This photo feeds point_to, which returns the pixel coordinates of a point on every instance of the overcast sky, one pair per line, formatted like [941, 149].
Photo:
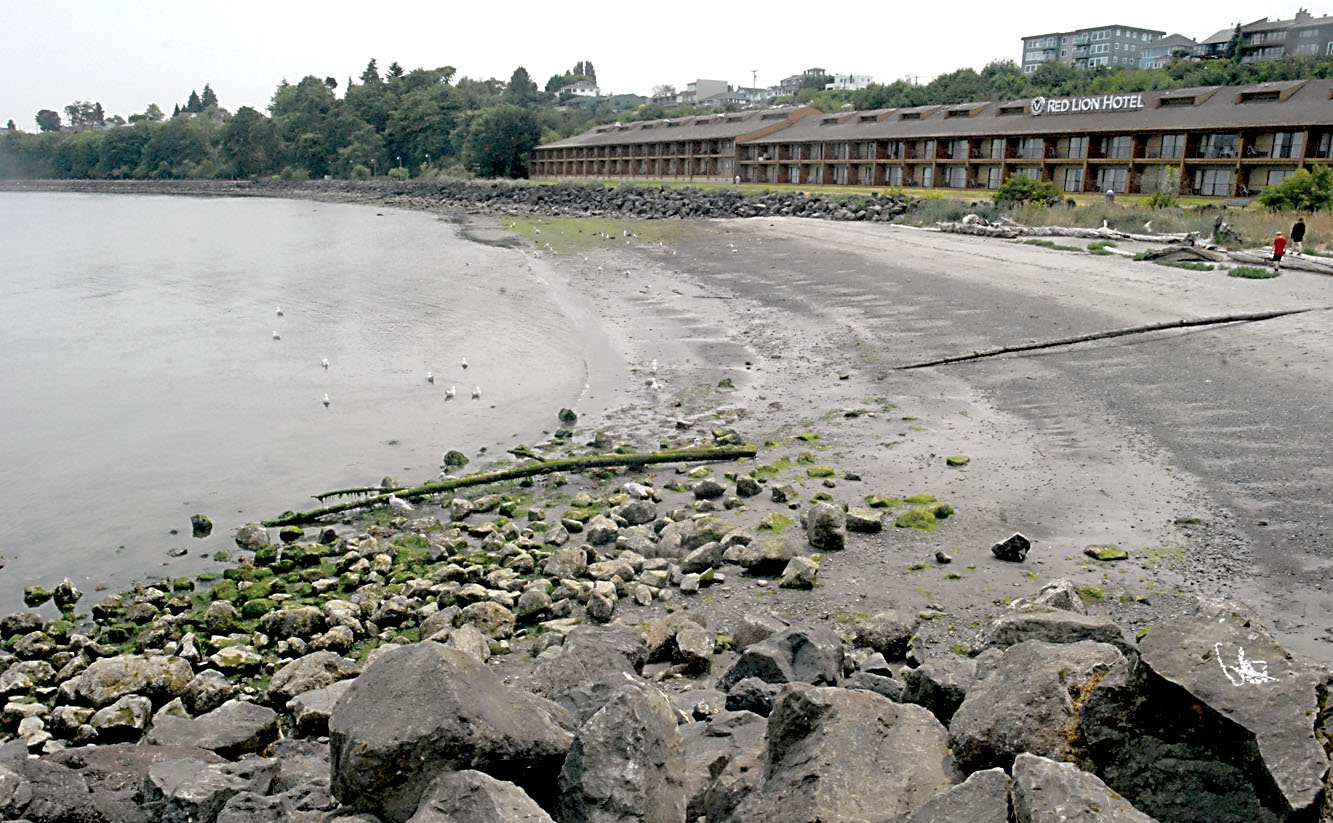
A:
[130, 53]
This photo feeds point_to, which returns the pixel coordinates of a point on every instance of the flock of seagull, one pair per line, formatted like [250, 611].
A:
[449, 393]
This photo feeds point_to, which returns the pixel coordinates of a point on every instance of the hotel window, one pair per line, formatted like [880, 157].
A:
[1213, 182]
[894, 150]
[1031, 148]
[1325, 145]
[997, 149]
[1218, 145]
[955, 177]
[1278, 175]
[1173, 145]
[1073, 179]
[793, 174]
[893, 176]
[866, 175]
[1116, 148]
[1078, 147]
[958, 149]
[928, 177]
[1288, 144]
[993, 178]
[1031, 173]
[1113, 179]
[840, 175]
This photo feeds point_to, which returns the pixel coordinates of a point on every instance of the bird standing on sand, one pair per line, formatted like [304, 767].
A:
[325, 363]
[1104, 224]
[476, 393]
[465, 362]
[326, 400]
[654, 385]
[654, 366]
[276, 336]
[450, 392]
[1147, 226]
[399, 504]
[430, 378]
[280, 311]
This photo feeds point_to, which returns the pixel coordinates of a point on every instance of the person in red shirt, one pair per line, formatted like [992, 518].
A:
[1279, 247]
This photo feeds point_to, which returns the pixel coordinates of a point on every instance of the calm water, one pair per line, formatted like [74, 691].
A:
[140, 381]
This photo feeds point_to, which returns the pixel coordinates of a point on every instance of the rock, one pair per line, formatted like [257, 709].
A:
[901, 758]
[680, 538]
[248, 807]
[383, 758]
[1013, 548]
[1027, 699]
[66, 595]
[707, 556]
[753, 695]
[192, 791]
[123, 720]
[534, 604]
[1045, 791]
[716, 754]
[43, 791]
[317, 670]
[755, 627]
[1034, 622]
[108, 679]
[454, 459]
[311, 710]
[693, 648]
[200, 525]
[120, 769]
[251, 536]
[627, 762]
[219, 616]
[708, 489]
[1106, 553]
[1057, 594]
[889, 632]
[236, 659]
[796, 655]
[767, 555]
[880, 684]
[489, 618]
[800, 573]
[602, 530]
[982, 798]
[939, 686]
[470, 796]
[294, 621]
[826, 527]
[864, 520]
[231, 730]
[637, 512]
[748, 486]
[470, 641]
[1215, 722]
[601, 608]
[35, 596]
[565, 563]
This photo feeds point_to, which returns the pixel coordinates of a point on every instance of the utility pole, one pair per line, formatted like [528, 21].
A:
[754, 78]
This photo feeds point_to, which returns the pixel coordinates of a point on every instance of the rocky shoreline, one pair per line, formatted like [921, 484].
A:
[560, 199]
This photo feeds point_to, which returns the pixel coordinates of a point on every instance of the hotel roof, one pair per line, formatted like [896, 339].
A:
[698, 127]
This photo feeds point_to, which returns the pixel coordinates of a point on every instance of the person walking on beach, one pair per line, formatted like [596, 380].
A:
[1279, 246]
[1298, 235]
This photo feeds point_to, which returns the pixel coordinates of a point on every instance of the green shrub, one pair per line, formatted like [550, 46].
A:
[359, 172]
[1303, 191]
[1161, 200]
[1019, 189]
[399, 173]
[1253, 272]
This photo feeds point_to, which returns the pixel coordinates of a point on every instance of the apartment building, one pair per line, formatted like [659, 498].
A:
[1302, 36]
[849, 82]
[1113, 45]
[1159, 53]
[1218, 141]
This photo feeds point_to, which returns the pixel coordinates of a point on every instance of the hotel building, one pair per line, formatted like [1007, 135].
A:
[1220, 141]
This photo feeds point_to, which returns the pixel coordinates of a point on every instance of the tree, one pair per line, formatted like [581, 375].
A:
[249, 144]
[371, 76]
[194, 105]
[664, 90]
[1233, 50]
[208, 99]
[588, 71]
[521, 90]
[175, 110]
[499, 141]
[395, 70]
[10, 126]
[152, 114]
[1018, 189]
[48, 120]
[331, 82]
[82, 115]
[1305, 190]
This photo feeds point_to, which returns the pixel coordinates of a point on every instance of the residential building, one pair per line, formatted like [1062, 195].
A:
[793, 84]
[580, 88]
[1302, 36]
[849, 82]
[702, 90]
[1213, 141]
[1159, 53]
[1113, 45]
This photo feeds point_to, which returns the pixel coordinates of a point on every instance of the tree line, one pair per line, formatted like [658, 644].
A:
[426, 121]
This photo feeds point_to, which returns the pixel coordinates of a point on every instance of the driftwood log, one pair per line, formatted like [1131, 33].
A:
[1104, 335]
[1010, 230]
[516, 473]
[1264, 257]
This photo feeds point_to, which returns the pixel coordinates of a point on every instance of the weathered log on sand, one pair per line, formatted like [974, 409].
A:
[1264, 257]
[592, 461]
[1185, 253]
[1010, 231]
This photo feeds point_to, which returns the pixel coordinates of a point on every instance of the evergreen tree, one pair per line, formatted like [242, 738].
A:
[194, 104]
[521, 90]
[589, 72]
[48, 120]
[176, 109]
[10, 126]
[395, 70]
[208, 98]
[1233, 45]
[371, 75]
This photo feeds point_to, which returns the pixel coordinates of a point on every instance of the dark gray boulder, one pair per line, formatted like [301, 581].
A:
[754, 627]
[232, 729]
[1027, 700]
[800, 654]
[711, 747]
[753, 695]
[470, 796]
[1052, 625]
[194, 792]
[1045, 791]
[316, 670]
[311, 710]
[880, 684]
[1013, 548]
[939, 685]
[421, 709]
[982, 798]
[889, 632]
[249, 807]
[119, 769]
[826, 527]
[1215, 722]
[845, 755]
[593, 664]
[627, 763]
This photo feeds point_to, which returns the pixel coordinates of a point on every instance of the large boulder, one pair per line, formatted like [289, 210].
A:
[422, 709]
[157, 677]
[316, 670]
[717, 747]
[470, 796]
[888, 632]
[826, 527]
[801, 654]
[982, 798]
[189, 791]
[1214, 722]
[939, 685]
[767, 554]
[593, 663]
[294, 621]
[1046, 791]
[1058, 594]
[627, 763]
[232, 729]
[119, 769]
[1027, 700]
[1050, 624]
[311, 710]
[680, 538]
[845, 755]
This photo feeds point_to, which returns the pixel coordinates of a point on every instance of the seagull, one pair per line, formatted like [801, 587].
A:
[450, 392]
[654, 385]
[326, 400]
[399, 504]
[430, 378]
[276, 336]
[1104, 224]
[1147, 226]
[476, 393]
[465, 362]
[654, 366]
[280, 311]
[325, 363]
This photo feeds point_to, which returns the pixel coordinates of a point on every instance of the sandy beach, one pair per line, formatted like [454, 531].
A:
[1196, 451]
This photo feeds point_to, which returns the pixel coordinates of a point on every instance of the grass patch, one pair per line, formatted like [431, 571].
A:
[1089, 592]
[921, 518]
[957, 460]
[1186, 264]
[775, 522]
[1049, 244]
[1253, 273]
[1101, 246]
